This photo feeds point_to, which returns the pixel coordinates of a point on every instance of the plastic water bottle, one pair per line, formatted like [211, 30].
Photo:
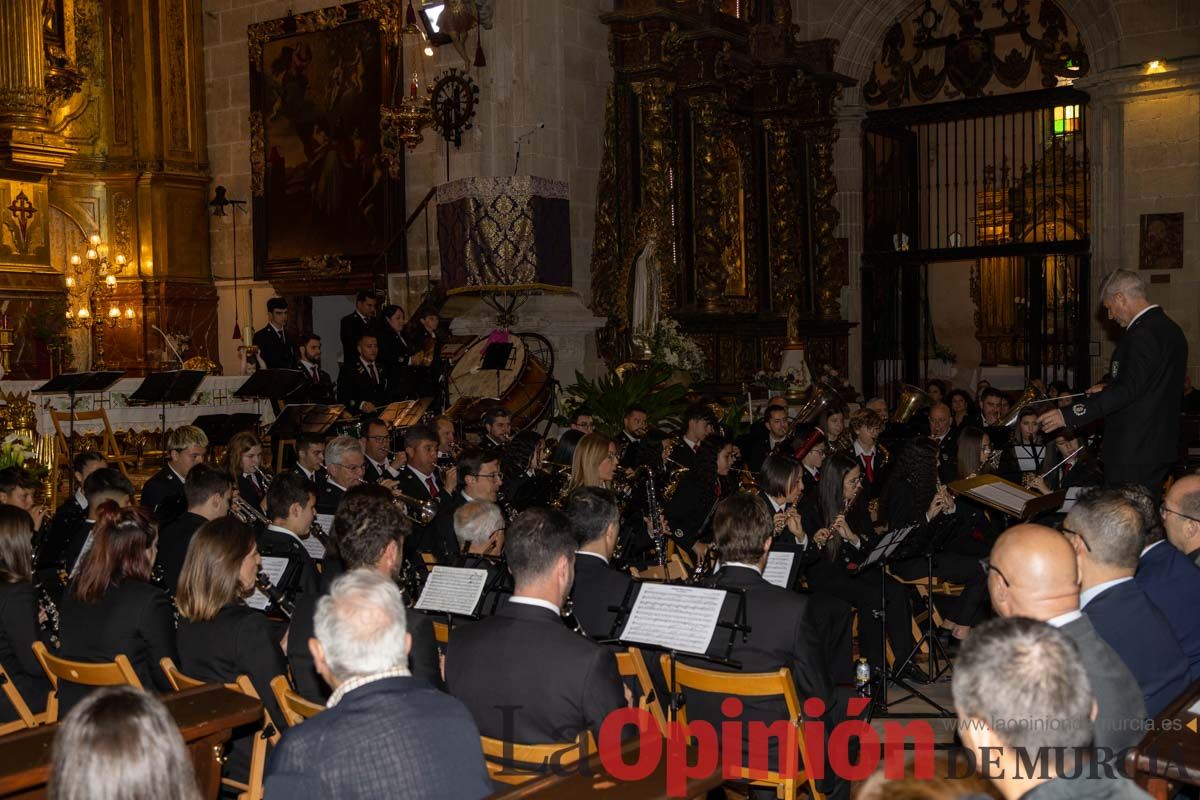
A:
[862, 676]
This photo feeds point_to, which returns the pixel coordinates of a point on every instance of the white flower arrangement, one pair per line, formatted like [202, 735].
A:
[672, 348]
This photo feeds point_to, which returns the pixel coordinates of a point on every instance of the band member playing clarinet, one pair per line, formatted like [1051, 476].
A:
[1141, 403]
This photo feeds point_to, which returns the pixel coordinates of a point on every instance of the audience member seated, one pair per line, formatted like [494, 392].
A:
[1169, 579]
[208, 492]
[1033, 573]
[479, 528]
[163, 493]
[384, 733]
[1020, 669]
[102, 486]
[19, 613]
[68, 516]
[1181, 516]
[1105, 530]
[220, 637]
[523, 673]
[120, 743]
[112, 607]
[368, 531]
[598, 588]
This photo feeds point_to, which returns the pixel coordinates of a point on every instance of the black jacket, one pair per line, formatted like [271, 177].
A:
[329, 497]
[396, 737]
[276, 353]
[51, 552]
[352, 327]
[439, 538]
[597, 589]
[132, 618]
[394, 348]
[318, 392]
[529, 678]
[355, 386]
[173, 546]
[162, 487]
[301, 576]
[691, 510]
[1118, 698]
[1141, 405]
[18, 632]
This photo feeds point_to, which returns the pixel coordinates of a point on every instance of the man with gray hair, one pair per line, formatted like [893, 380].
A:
[345, 466]
[1140, 404]
[479, 526]
[1025, 710]
[384, 733]
[1106, 531]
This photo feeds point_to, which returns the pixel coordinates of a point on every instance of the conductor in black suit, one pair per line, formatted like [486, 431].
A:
[277, 349]
[500, 666]
[596, 519]
[1141, 403]
[357, 322]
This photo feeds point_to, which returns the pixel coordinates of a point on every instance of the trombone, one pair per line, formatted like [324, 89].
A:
[419, 511]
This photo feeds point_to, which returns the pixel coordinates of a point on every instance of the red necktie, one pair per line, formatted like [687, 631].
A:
[1066, 469]
[718, 488]
[316, 376]
[696, 448]
[867, 458]
[433, 490]
[371, 370]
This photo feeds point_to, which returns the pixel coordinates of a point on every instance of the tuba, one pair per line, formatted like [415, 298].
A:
[823, 397]
[912, 400]
[1031, 396]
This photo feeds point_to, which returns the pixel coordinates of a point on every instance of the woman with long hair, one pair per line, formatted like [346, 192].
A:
[112, 607]
[913, 496]
[962, 410]
[1026, 451]
[120, 744]
[981, 526]
[841, 525]
[594, 463]
[19, 612]
[834, 423]
[975, 454]
[690, 509]
[220, 637]
[243, 459]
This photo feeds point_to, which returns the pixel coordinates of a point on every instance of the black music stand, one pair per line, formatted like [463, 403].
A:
[72, 384]
[496, 357]
[301, 418]
[936, 534]
[271, 384]
[220, 428]
[161, 388]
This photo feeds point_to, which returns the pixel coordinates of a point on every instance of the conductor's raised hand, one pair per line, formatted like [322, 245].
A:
[1051, 420]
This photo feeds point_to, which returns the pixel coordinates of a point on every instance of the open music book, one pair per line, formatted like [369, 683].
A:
[1007, 497]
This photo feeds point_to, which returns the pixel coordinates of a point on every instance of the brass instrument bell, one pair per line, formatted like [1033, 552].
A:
[822, 397]
[912, 400]
[1033, 394]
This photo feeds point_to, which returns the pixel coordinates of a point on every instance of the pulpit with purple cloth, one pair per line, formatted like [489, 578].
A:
[504, 235]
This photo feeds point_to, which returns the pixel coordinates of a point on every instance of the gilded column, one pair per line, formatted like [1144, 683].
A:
[22, 63]
[825, 220]
[711, 237]
[657, 159]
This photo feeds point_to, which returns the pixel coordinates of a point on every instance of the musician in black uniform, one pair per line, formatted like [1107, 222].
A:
[479, 528]
[1071, 465]
[497, 427]
[208, 492]
[394, 347]
[690, 510]
[596, 520]
[425, 364]
[377, 442]
[634, 425]
[310, 456]
[945, 436]
[19, 627]
[277, 349]
[363, 384]
[292, 509]
[1026, 451]
[319, 389]
[525, 482]
[865, 429]
[103, 485]
[66, 519]
[162, 494]
[1141, 404]
[479, 479]
[356, 323]
[698, 423]
[811, 451]
[345, 466]
[993, 404]
[418, 478]
[763, 440]
[242, 458]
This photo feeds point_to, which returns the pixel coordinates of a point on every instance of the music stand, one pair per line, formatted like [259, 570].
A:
[299, 418]
[926, 546]
[161, 388]
[271, 384]
[220, 428]
[496, 357]
[71, 384]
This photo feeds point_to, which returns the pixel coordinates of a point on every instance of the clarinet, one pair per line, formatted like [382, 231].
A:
[285, 606]
[654, 528]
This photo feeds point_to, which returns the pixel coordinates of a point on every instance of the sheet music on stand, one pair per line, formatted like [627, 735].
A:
[404, 413]
[273, 567]
[779, 568]
[888, 544]
[1069, 501]
[678, 618]
[314, 547]
[453, 590]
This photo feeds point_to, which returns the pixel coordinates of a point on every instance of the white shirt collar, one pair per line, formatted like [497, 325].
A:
[275, 327]
[305, 472]
[337, 485]
[1138, 315]
[590, 553]
[424, 478]
[860, 451]
[358, 683]
[776, 506]
[281, 529]
[742, 564]
[811, 471]
[536, 601]
[1150, 547]
[690, 443]
[468, 497]
[366, 363]
[1063, 619]
[80, 499]
[177, 475]
[308, 365]
[1088, 595]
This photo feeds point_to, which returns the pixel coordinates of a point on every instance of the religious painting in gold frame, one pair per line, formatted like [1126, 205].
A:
[319, 181]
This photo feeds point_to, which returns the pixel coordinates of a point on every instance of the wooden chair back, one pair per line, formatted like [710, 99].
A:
[295, 708]
[118, 672]
[500, 757]
[632, 664]
[108, 442]
[25, 717]
[756, 684]
[441, 632]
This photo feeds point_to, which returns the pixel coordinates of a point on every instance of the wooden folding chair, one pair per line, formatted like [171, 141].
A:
[632, 664]
[108, 443]
[252, 789]
[758, 684]
[674, 571]
[295, 708]
[118, 672]
[441, 632]
[504, 759]
[25, 717]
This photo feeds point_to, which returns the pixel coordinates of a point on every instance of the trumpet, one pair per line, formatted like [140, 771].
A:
[265, 477]
[247, 513]
[419, 511]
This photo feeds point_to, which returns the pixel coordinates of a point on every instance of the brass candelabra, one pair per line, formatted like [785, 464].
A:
[91, 289]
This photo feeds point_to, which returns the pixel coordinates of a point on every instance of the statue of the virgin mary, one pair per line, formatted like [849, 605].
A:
[647, 294]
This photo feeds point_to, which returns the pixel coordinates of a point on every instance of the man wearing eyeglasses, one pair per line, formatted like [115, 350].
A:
[376, 444]
[1032, 573]
[1181, 516]
[479, 481]
[1141, 403]
[345, 465]
[1105, 530]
